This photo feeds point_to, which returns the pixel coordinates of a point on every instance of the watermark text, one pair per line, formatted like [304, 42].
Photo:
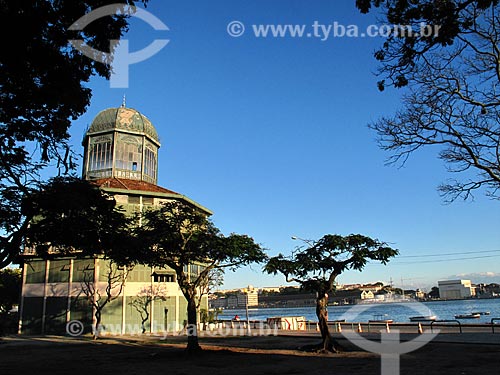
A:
[324, 32]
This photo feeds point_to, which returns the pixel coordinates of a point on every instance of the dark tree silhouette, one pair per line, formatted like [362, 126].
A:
[43, 88]
[453, 79]
[180, 237]
[401, 54]
[317, 267]
[10, 289]
[74, 217]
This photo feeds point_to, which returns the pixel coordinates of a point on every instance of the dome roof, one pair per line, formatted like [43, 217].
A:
[123, 118]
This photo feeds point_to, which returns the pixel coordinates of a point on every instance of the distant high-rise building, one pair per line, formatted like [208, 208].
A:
[455, 289]
[248, 296]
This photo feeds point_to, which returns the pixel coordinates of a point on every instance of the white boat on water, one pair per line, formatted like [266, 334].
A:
[423, 318]
[380, 318]
[468, 316]
[381, 321]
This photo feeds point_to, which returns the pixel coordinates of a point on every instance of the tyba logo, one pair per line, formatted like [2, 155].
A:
[120, 59]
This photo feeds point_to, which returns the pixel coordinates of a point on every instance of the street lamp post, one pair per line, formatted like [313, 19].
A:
[309, 242]
[248, 319]
[165, 310]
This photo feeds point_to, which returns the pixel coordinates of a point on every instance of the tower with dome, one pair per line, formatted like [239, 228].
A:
[121, 148]
[121, 143]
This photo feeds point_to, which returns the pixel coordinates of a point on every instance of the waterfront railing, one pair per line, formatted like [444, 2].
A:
[445, 326]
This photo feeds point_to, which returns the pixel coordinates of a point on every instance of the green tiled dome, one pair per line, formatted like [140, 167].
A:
[127, 119]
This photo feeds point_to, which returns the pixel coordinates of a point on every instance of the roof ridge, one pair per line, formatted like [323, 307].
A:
[122, 183]
[132, 184]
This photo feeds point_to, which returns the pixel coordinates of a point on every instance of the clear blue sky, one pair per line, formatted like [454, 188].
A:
[271, 134]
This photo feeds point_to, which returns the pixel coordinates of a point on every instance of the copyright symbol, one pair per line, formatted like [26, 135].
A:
[235, 29]
[74, 328]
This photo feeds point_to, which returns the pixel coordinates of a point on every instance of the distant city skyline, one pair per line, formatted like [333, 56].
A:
[271, 135]
[487, 278]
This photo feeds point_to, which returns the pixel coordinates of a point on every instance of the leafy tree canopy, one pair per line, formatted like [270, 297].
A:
[73, 216]
[400, 54]
[317, 266]
[43, 88]
[10, 288]
[178, 235]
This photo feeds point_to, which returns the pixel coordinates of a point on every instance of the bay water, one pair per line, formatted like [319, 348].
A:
[399, 311]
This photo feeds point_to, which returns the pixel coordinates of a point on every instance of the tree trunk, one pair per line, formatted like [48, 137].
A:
[192, 327]
[97, 323]
[143, 323]
[329, 344]
[145, 317]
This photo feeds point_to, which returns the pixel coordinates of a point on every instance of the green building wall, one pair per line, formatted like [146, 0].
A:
[46, 307]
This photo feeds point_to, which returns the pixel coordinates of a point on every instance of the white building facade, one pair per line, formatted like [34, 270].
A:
[456, 289]
[248, 296]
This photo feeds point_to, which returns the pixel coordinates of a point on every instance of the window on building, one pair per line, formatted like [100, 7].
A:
[163, 278]
[134, 199]
[100, 154]
[35, 272]
[59, 271]
[133, 205]
[194, 270]
[83, 270]
[148, 201]
[150, 163]
[128, 154]
[140, 273]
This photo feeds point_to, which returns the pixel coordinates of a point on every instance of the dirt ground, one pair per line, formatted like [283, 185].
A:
[240, 356]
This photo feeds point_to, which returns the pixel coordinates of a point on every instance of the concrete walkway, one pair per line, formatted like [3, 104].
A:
[459, 338]
[286, 340]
